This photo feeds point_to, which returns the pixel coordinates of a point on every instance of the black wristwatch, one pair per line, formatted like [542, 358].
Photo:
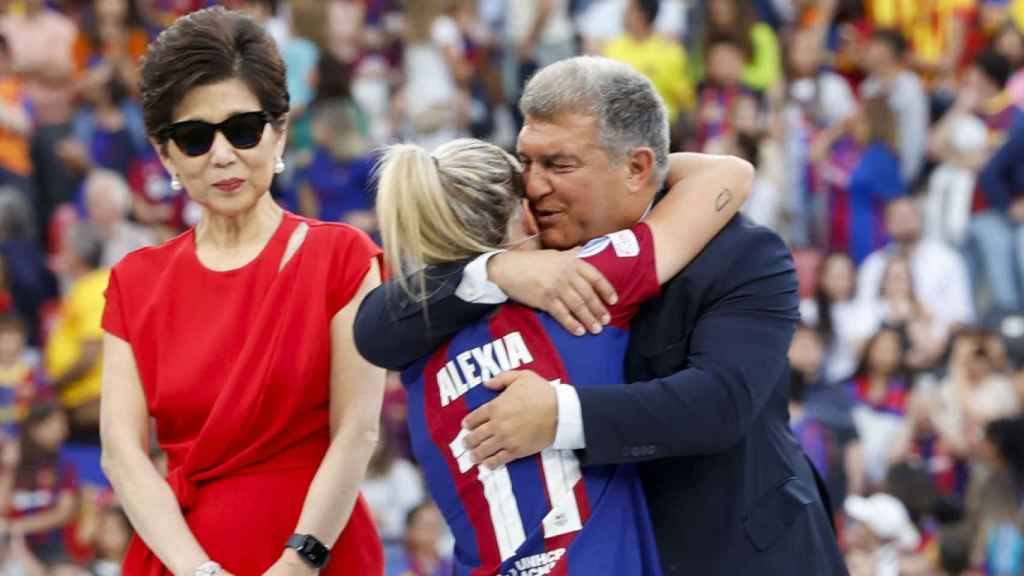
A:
[311, 550]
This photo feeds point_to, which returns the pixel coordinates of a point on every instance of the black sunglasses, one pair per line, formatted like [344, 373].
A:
[195, 137]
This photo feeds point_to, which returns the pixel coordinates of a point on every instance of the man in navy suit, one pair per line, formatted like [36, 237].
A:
[706, 418]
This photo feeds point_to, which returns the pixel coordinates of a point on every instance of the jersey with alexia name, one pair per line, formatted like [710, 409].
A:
[543, 514]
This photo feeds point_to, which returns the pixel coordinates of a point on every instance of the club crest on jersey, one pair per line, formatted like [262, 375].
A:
[595, 246]
[478, 365]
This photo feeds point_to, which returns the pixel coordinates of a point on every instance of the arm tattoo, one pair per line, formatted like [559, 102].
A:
[723, 199]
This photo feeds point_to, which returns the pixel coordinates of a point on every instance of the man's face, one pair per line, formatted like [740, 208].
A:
[575, 191]
[903, 221]
[876, 56]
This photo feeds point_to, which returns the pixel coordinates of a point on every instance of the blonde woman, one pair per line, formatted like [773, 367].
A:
[542, 512]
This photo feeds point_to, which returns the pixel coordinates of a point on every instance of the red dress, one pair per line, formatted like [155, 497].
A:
[235, 367]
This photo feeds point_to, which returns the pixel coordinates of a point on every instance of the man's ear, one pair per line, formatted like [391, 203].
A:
[530, 226]
[641, 164]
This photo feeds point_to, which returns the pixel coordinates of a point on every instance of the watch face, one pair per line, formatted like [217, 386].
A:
[312, 551]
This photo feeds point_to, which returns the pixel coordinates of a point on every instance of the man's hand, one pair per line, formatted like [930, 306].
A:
[559, 283]
[520, 422]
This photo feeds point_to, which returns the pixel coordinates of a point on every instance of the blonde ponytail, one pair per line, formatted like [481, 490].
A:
[446, 207]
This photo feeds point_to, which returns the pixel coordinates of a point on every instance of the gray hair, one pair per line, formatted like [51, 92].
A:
[87, 242]
[629, 111]
[112, 183]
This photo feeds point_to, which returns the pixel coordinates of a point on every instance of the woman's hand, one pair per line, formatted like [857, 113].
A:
[559, 283]
[289, 564]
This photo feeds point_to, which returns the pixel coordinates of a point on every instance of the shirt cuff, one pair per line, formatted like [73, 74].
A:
[475, 287]
[569, 432]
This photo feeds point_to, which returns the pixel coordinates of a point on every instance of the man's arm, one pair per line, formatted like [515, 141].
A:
[735, 359]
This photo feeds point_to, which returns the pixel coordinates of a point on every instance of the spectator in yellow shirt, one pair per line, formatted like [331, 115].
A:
[662, 60]
[73, 353]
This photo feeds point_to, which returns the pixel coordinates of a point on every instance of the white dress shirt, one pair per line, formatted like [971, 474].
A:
[940, 281]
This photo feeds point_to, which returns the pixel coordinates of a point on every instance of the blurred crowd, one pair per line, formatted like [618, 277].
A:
[888, 137]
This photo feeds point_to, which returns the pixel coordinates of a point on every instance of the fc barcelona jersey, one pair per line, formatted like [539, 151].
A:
[543, 514]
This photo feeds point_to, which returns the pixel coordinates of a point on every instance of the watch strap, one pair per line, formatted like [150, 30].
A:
[311, 550]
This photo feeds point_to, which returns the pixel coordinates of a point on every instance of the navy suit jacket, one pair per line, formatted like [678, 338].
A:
[706, 418]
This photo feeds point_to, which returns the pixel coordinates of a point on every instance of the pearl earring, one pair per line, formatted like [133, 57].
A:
[279, 166]
[176, 184]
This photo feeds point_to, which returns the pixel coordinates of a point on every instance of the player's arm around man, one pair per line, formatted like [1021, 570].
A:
[746, 287]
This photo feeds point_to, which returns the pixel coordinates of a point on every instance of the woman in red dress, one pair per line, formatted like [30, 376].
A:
[236, 338]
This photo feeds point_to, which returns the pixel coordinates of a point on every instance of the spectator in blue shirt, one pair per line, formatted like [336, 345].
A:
[337, 185]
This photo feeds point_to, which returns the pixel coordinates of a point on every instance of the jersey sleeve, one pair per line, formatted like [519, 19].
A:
[113, 311]
[626, 259]
[353, 252]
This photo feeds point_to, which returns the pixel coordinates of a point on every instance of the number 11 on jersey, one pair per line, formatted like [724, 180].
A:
[561, 471]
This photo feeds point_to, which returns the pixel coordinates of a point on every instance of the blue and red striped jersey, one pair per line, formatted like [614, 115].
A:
[543, 514]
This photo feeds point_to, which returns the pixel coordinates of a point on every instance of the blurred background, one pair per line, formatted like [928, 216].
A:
[889, 144]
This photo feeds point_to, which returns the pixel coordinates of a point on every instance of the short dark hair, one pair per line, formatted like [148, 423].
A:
[205, 47]
[649, 8]
[892, 38]
[994, 66]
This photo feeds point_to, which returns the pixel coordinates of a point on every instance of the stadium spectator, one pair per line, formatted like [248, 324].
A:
[879, 535]
[422, 554]
[392, 488]
[899, 307]
[878, 392]
[74, 351]
[39, 490]
[660, 59]
[993, 505]
[720, 93]
[337, 185]
[436, 70]
[938, 273]
[603, 21]
[15, 125]
[756, 39]
[19, 374]
[816, 102]
[963, 141]
[821, 419]
[998, 234]
[977, 389]
[837, 316]
[41, 40]
[860, 172]
[108, 202]
[28, 279]
[884, 61]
